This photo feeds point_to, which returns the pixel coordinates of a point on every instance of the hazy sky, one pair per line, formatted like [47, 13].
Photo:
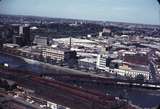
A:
[139, 11]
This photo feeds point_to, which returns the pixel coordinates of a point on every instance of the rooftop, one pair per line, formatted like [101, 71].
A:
[74, 40]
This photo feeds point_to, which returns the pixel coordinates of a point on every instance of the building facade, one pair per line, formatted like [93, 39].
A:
[127, 72]
[53, 54]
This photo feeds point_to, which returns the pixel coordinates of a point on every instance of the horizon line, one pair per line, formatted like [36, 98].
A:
[81, 19]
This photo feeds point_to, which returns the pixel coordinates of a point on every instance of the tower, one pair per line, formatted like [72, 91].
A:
[26, 35]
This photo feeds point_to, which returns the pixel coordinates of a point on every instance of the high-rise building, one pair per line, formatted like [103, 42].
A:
[21, 35]
[26, 35]
[15, 29]
[20, 30]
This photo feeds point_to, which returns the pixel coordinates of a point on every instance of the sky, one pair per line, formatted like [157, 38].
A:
[133, 11]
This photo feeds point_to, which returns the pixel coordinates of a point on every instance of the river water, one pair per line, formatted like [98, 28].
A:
[142, 98]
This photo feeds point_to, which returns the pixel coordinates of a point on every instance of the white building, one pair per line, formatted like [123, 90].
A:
[131, 73]
[10, 45]
[53, 54]
[76, 42]
[52, 105]
[101, 62]
[123, 71]
[87, 63]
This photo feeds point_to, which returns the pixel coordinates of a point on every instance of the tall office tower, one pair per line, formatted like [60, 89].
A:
[26, 35]
[15, 29]
[15, 33]
[21, 35]
[20, 30]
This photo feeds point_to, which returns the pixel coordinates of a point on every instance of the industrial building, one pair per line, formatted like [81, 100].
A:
[53, 54]
[123, 69]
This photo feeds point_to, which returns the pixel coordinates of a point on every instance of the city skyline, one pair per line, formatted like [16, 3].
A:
[79, 54]
[137, 11]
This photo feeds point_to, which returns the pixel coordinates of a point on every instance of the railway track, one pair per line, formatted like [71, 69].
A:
[83, 96]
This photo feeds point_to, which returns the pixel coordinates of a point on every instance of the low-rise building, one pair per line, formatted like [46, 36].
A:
[87, 63]
[122, 70]
[40, 40]
[53, 54]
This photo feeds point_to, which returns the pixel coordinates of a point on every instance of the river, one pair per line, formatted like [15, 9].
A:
[142, 98]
